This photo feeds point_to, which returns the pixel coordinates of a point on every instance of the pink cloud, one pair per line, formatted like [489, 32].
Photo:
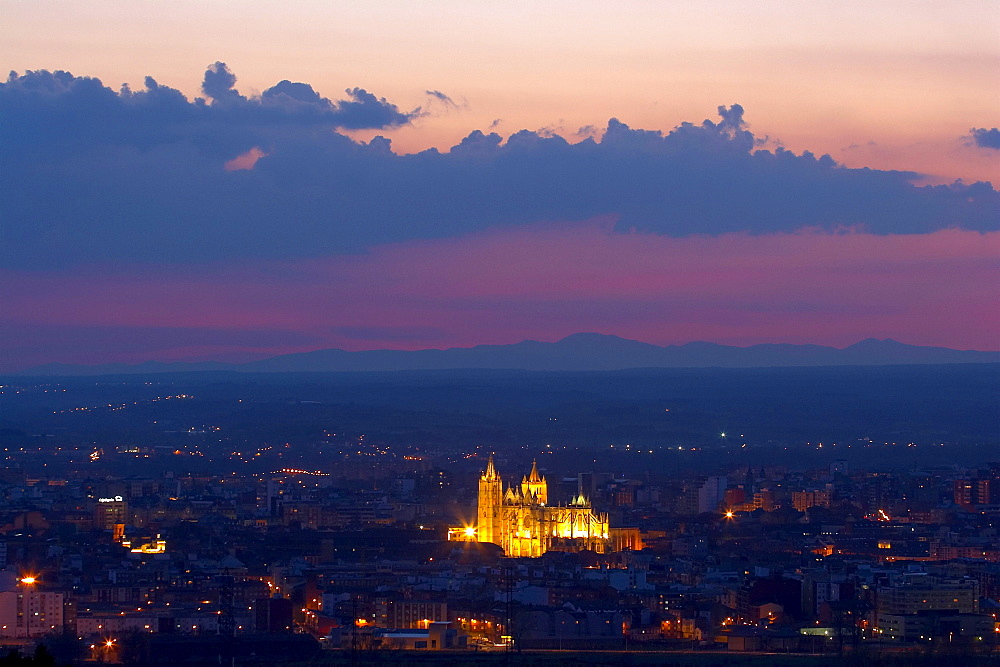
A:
[545, 283]
[245, 161]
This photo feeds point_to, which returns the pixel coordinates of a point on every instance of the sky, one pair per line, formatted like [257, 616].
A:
[235, 180]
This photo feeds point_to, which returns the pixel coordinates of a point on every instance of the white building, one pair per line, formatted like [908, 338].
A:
[24, 610]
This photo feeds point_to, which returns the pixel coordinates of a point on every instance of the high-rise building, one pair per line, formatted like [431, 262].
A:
[711, 493]
[26, 611]
[110, 511]
[930, 593]
[803, 500]
[929, 606]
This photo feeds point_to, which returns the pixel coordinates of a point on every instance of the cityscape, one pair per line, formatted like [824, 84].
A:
[538, 334]
[163, 538]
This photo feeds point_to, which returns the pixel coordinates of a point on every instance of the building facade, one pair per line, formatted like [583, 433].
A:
[25, 611]
[408, 614]
[521, 521]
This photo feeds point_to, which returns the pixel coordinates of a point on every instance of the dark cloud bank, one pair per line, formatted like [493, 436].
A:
[986, 138]
[93, 175]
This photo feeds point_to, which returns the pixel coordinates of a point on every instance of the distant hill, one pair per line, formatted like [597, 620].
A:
[579, 352]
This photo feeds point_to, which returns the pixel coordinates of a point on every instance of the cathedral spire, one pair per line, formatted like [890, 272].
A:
[534, 487]
[491, 471]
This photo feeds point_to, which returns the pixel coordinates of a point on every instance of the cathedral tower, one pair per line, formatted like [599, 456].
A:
[534, 486]
[490, 504]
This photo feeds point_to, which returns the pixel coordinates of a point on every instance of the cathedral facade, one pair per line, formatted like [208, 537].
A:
[520, 520]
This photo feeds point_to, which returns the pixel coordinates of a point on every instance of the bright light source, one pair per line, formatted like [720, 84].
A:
[28, 580]
[470, 531]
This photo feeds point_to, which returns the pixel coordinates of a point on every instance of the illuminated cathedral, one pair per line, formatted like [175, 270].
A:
[521, 521]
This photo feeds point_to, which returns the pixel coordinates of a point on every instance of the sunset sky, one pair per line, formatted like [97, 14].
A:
[279, 177]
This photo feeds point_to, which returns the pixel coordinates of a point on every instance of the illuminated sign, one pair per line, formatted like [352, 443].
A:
[116, 499]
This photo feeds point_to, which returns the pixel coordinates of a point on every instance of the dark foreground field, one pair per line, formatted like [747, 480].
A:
[887, 658]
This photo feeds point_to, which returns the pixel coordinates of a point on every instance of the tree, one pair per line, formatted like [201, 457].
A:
[135, 647]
